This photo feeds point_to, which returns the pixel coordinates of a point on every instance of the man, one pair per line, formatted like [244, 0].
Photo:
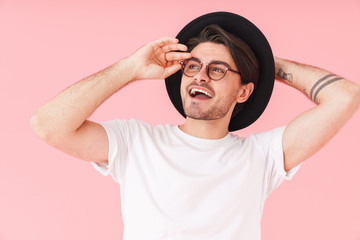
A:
[197, 180]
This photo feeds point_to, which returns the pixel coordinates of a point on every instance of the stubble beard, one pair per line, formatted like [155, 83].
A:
[217, 111]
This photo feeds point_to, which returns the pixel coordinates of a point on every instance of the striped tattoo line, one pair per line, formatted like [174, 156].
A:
[318, 82]
[323, 85]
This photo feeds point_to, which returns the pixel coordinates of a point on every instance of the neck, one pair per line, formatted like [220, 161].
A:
[207, 129]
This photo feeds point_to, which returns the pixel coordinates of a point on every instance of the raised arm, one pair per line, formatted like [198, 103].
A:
[62, 121]
[337, 100]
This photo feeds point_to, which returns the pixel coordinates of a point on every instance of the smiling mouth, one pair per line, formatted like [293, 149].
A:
[199, 93]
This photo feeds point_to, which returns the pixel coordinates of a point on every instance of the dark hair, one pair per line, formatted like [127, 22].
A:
[242, 54]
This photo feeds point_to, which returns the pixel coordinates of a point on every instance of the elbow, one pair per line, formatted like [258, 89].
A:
[37, 127]
[351, 101]
[41, 129]
[357, 97]
[346, 103]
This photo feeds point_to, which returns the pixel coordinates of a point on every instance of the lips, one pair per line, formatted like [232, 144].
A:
[196, 91]
[200, 92]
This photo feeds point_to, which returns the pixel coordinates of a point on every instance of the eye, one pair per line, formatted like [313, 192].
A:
[217, 69]
[193, 66]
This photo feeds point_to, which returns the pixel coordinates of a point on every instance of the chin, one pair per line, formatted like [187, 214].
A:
[210, 114]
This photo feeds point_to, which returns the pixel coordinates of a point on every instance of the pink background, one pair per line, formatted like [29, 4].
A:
[48, 45]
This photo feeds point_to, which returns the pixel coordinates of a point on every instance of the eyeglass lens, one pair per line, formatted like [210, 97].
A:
[215, 71]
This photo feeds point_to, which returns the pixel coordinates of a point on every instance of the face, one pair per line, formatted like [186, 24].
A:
[205, 99]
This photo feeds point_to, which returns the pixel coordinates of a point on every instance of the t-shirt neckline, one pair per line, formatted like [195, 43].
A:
[197, 140]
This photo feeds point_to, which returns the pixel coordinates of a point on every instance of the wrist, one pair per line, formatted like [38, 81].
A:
[127, 69]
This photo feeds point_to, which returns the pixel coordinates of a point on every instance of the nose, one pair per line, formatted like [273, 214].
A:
[202, 75]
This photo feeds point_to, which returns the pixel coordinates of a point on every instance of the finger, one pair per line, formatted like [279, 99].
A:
[175, 62]
[174, 47]
[171, 70]
[166, 40]
[177, 56]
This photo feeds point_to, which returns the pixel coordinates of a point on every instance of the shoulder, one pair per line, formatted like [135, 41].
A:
[267, 136]
[125, 124]
[268, 139]
[134, 127]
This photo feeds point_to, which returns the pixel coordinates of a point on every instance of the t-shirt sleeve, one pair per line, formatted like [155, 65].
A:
[117, 132]
[275, 173]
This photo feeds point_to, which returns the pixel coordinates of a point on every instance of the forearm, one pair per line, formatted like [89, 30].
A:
[317, 84]
[66, 112]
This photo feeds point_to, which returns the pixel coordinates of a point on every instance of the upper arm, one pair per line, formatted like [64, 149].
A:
[311, 130]
[305, 135]
[89, 142]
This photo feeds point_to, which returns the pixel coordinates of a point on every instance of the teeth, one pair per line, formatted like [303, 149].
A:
[194, 90]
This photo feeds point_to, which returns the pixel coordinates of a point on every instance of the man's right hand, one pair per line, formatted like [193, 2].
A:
[158, 59]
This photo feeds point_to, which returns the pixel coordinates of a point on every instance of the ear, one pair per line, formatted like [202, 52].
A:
[244, 92]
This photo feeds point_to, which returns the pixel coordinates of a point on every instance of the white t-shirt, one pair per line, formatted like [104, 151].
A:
[175, 186]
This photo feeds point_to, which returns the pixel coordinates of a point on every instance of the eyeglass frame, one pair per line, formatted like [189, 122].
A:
[227, 68]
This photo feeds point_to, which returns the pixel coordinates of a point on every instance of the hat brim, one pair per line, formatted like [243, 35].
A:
[248, 32]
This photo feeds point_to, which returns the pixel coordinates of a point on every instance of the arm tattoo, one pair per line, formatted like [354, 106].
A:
[305, 92]
[317, 83]
[326, 83]
[286, 76]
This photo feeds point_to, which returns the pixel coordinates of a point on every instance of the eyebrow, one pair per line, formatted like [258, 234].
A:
[214, 61]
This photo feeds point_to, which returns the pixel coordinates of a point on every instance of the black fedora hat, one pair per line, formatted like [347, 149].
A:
[248, 32]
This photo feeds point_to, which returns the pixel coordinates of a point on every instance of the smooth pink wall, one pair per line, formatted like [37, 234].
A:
[47, 45]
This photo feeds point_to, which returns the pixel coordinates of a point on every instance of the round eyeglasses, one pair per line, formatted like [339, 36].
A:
[215, 70]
